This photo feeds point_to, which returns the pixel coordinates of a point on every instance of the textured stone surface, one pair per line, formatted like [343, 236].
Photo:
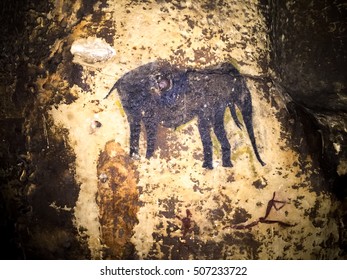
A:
[308, 55]
[182, 211]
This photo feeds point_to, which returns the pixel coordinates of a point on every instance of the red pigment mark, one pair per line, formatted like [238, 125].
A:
[271, 204]
[187, 223]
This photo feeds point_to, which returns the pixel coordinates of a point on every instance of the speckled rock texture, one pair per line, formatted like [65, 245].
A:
[71, 190]
[117, 200]
[309, 57]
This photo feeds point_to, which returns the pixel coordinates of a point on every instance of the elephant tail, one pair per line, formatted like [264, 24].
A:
[244, 102]
[112, 89]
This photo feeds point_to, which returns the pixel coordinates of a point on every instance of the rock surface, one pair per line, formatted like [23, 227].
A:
[65, 194]
[117, 199]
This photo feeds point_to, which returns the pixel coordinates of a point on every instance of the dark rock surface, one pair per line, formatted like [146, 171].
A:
[36, 176]
[308, 56]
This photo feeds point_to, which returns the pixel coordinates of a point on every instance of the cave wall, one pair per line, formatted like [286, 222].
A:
[36, 166]
[308, 56]
[308, 52]
[79, 193]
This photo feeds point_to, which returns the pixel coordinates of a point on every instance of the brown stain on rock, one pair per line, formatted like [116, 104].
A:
[118, 200]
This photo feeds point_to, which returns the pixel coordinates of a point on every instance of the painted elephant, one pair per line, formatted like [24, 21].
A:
[159, 93]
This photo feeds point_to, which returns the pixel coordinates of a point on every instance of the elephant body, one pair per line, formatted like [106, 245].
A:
[159, 93]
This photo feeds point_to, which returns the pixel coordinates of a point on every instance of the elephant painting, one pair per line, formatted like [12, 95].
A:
[159, 93]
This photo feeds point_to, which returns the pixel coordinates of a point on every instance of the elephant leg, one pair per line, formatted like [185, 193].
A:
[135, 129]
[204, 129]
[219, 130]
[151, 126]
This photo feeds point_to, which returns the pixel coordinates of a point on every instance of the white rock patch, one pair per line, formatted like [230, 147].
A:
[92, 50]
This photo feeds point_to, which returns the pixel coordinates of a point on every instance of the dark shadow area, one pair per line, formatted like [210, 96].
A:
[308, 55]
